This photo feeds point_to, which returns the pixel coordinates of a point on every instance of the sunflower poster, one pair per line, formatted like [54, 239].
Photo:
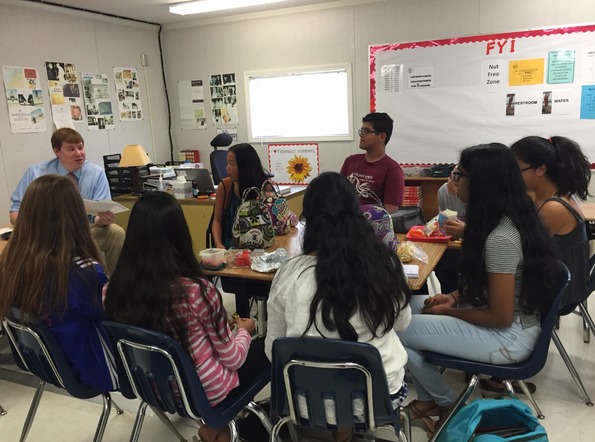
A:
[294, 164]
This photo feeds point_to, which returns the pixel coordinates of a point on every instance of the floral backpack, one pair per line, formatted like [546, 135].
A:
[278, 209]
[252, 226]
[381, 221]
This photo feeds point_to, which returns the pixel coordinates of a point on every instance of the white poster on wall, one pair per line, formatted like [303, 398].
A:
[65, 92]
[224, 100]
[24, 100]
[191, 97]
[98, 103]
[294, 163]
[128, 91]
[479, 89]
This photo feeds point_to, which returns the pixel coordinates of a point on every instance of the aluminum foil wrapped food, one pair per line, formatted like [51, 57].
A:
[269, 262]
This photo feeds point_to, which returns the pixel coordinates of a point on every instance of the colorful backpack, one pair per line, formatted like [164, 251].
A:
[278, 208]
[252, 227]
[381, 221]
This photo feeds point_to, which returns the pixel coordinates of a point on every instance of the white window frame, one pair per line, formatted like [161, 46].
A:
[253, 75]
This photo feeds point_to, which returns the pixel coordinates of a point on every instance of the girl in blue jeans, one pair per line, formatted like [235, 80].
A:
[506, 282]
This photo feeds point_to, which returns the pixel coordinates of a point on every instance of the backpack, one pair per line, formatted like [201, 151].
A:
[252, 227]
[278, 208]
[407, 217]
[494, 420]
[381, 222]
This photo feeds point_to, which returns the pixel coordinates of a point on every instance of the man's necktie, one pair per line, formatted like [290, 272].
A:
[73, 177]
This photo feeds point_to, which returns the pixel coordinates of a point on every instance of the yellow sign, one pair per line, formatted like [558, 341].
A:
[525, 72]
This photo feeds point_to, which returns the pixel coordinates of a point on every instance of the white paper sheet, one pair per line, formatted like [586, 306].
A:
[94, 207]
[411, 270]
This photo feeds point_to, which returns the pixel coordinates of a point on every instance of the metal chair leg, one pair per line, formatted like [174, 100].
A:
[32, 410]
[586, 332]
[460, 403]
[161, 415]
[275, 431]
[2, 411]
[138, 421]
[261, 414]
[107, 406]
[405, 431]
[571, 369]
[233, 429]
[118, 409]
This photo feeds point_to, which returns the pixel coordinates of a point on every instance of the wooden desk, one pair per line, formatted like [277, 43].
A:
[198, 213]
[434, 252]
[2, 244]
[589, 211]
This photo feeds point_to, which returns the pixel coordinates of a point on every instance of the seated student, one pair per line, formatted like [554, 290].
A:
[447, 268]
[50, 270]
[244, 170]
[506, 282]
[556, 185]
[338, 290]
[448, 198]
[158, 284]
[374, 171]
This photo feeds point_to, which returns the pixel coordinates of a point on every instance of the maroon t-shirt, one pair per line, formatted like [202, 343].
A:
[384, 177]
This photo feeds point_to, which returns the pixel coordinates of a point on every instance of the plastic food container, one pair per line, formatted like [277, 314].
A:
[213, 259]
[238, 258]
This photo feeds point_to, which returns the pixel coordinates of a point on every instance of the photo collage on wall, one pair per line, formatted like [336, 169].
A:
[98, 102]
[24, 99]
[224, 103]
[128, 90]
[65, 93]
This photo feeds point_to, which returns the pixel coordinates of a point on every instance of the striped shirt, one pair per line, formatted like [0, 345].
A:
[216, 360]
[504, 254]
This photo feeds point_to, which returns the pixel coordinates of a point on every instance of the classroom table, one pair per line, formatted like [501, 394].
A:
[244, 282]
[2, 244]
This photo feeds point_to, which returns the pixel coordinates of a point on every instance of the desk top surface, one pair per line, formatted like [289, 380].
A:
[292, 243]
[293, 192]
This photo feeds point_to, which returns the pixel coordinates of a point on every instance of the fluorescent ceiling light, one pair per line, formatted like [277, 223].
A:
[201, 6]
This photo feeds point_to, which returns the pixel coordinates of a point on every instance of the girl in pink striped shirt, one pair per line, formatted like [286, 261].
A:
[158, 284]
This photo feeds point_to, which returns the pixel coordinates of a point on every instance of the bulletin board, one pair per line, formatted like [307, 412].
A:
[445, 95]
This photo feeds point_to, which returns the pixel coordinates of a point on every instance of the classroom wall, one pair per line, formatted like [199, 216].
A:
[340, 35]
[30, 35]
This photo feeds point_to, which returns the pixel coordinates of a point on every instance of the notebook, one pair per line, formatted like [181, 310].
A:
[202, 177]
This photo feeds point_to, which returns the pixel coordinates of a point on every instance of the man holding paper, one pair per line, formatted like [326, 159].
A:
[69, 147]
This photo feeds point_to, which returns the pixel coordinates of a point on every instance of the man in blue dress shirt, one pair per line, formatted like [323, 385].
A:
[69, 147]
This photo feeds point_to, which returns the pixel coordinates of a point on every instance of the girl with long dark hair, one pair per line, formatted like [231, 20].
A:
[244, 170]
[346, 285]
[505, 285]
[158, 284]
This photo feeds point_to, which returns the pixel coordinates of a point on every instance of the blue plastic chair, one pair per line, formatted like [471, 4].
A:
[307, 371]
[513, 372]
[161, 373]
[35, 349]
[587, 324]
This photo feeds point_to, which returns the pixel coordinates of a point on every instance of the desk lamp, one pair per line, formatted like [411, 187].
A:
[134, 156]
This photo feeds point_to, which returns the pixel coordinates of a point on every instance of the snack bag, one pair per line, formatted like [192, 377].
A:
[444, 215]
[432, 226]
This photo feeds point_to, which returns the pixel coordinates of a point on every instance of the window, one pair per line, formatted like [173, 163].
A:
[306, 105]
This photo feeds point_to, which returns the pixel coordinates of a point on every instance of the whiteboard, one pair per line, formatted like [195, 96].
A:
[445, 95]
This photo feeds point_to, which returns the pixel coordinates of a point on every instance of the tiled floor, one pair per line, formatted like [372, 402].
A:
[62, 418]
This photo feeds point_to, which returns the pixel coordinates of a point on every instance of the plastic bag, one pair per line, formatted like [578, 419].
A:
[408, 251]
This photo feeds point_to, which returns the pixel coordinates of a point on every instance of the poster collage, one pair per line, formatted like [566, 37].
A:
[70, 103]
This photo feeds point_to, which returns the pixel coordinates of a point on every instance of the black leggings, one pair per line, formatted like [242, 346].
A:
[256, 361]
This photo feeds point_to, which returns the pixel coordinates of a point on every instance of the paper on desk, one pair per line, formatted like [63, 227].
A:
[94, 207]
[411, 270]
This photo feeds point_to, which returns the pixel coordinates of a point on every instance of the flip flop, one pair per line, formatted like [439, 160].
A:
[497, 386]
[416, 411]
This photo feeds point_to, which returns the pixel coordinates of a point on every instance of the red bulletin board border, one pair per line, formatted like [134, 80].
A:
[373, 49]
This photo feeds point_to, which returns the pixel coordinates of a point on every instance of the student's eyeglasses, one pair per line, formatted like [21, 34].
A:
[365, 131]
[456, 175]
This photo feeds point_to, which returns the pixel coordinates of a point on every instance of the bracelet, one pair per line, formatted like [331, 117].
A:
[455, 298]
